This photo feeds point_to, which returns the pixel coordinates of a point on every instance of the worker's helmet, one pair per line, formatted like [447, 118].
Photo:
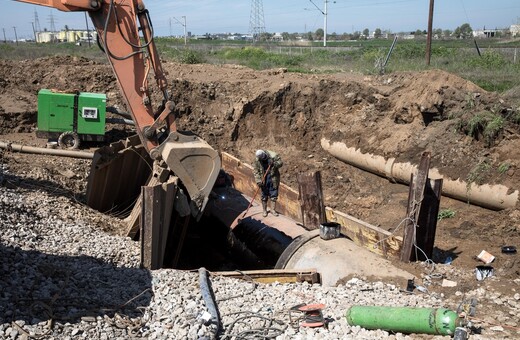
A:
[261, 155]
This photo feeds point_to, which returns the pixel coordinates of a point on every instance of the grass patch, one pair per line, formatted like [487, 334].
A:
[445, 213]
[504, 167]
[484, 125]
[478, 173]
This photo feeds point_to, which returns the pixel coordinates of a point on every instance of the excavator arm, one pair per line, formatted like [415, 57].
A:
[125, 34]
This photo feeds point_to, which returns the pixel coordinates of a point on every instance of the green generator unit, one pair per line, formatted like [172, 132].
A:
[71, 117]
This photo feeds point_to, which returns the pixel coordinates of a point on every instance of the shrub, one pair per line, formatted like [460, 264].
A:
[488, 60]
[191, 57]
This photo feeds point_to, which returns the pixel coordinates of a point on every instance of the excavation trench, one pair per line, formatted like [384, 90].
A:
[250, 241]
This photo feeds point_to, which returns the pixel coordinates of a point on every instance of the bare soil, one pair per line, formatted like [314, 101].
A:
[238, 110]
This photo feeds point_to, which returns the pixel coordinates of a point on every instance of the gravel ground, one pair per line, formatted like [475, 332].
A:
[63, 277]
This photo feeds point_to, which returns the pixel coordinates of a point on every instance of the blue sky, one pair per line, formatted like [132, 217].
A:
[219, 16]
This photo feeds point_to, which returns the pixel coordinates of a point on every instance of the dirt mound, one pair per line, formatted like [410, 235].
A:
[399, 115]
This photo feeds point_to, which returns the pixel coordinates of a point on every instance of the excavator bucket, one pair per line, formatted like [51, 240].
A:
[196, 164]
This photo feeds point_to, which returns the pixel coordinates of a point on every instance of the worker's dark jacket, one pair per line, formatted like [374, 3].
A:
[259, 168]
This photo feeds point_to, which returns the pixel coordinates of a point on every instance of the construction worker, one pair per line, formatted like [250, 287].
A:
[267, 177]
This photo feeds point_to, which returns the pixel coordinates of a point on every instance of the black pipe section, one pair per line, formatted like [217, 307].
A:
[266, 242]
[114, 110]
[209, 299]
[120, 121]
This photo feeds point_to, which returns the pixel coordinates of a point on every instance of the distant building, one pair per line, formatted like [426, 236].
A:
[277, 37]
[73, 36]
[45, 37]
[488, 33]
[515, 30]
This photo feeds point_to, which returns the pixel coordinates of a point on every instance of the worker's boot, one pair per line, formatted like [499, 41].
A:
[264, 206]
[273, 208]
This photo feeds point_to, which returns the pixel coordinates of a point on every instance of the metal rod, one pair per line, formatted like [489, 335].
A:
[44, 151]
[390, 52]
[429, 37]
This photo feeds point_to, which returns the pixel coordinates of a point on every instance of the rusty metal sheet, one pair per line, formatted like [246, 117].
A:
[156, 213]
[415, 200]
[116, 175]
[311, 199]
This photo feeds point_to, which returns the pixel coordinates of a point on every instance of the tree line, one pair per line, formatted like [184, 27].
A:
[463, 31]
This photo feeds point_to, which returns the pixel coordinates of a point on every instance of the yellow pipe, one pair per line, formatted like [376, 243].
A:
[496, 197]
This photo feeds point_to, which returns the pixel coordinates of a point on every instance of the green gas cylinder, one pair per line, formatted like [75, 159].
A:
[404, 319]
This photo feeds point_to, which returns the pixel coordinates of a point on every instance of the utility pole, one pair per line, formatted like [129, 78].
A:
[324, 12]
[5, 39]
[88, 30]
[185, 35]
[429, 36]
[15, 36]
[183, 24]
[325, 23]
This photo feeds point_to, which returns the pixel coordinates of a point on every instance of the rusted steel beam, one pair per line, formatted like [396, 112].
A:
[427, 220]
[243, 181]
[157, 208]
[415, 201]
[375, 239]
[133, 219]
[311, 199]
[275, 275]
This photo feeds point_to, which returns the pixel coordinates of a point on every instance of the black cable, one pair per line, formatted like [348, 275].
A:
[250, 279]
[107, 50]
[266, 331]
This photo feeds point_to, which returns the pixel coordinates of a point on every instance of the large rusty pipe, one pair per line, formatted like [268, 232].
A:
[496, 197]
[44, 151]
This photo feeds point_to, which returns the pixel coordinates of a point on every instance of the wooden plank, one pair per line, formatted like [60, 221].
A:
[427, 220]
[415, 200]
[311, 199]
[243, 180]
[375, 239]
[275, 275]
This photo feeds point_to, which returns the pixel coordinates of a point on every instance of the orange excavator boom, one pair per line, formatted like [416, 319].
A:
[133, 56]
